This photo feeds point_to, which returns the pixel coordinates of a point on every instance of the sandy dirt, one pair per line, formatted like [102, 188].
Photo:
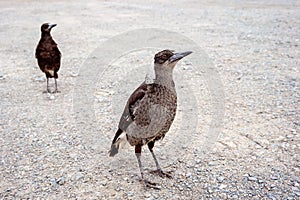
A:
[236, 133]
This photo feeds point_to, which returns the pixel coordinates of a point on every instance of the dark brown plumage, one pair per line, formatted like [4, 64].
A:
[48, 55]
[150, 111]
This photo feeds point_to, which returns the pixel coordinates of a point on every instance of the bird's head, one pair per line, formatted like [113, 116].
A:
[167, 58]
[46, 27]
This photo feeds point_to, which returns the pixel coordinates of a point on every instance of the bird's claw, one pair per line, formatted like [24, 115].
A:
[149, 184]
[56, 91]
[162, 174]
[47, 91]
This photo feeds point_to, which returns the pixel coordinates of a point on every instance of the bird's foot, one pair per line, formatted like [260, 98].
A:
[47, 91]
[56, 91]
[162, 174]
[149, 184]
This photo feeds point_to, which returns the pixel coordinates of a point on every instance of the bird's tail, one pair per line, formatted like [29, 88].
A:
[118, 141]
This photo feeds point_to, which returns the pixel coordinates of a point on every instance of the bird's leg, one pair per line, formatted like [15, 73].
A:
[138, 152]
[150, 146]
[48, 89]
[158, 171]
[55, 91]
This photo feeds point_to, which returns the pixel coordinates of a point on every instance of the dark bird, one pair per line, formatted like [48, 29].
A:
[150, 111]
[48, 55]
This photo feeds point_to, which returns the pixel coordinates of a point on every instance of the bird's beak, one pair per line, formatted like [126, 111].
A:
[52, 25]
[178, 56]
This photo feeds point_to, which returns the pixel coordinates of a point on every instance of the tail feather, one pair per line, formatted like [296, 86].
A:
[113, 150]
[117, 142]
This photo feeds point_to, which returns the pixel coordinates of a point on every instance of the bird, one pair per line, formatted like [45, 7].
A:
[48, 55]
[150, 112]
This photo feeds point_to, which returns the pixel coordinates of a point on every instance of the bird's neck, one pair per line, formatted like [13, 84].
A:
[164, 76]
[46, 34]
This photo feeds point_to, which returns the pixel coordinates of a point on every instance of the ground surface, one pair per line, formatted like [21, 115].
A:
[56, 146]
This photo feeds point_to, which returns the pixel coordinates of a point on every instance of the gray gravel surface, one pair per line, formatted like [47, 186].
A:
[47, 152]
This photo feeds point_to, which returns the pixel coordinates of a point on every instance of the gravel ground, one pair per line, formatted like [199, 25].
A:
[51, 147]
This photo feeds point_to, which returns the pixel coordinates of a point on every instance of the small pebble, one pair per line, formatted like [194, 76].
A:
[252, 178]
[220, 179]
[78, 177]
[104, 183]
[147, 195]
[187, 67]
[223, 186]
[40, 79]
[74, 74]
[130, 194]
[274, 178]
[261, 181]
[60, 181]
[53, 182]
[51, 97]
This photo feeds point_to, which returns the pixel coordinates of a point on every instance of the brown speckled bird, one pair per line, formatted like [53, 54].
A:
[150, 111]
[48, 55]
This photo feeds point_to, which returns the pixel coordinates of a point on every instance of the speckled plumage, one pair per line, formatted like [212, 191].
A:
[152, 115]
[150, 110]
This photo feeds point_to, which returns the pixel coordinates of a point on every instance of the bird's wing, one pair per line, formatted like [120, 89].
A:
[144, 116]
[157, 116]
[128, 117]
[129, 114]
[43, 56]
[56, 57]
[39, 49]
